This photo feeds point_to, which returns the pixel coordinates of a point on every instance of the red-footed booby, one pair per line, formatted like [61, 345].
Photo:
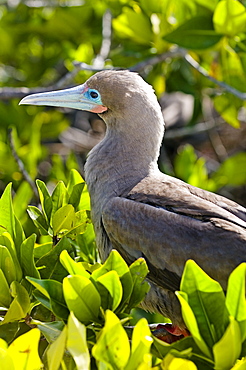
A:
[140, 211]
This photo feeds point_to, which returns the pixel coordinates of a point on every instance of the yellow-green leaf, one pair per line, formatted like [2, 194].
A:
[24, 351]
[76, 343]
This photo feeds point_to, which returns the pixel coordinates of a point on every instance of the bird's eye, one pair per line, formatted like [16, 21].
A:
[93, 94]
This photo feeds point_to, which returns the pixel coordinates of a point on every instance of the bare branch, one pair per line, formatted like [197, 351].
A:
[200, 69]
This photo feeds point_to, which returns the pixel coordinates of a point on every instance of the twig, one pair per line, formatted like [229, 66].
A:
[21, 165]
[200, 69]
[99, 61]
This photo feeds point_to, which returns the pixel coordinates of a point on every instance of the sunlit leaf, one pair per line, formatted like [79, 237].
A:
[56, 350]
[230, 17]
[20, 305]
[63, 219]
[24, 351]
[228, 349]
[82, 298]
[112, 347]
[140, 344]
[52, 289]
[76, 343]
[45, 199]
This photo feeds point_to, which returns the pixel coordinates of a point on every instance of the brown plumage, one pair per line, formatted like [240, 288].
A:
[140, 211]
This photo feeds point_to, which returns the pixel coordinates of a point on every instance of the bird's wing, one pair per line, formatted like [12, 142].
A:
[167, 222]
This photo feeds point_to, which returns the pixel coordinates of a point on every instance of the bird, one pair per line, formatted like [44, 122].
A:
[140, 211]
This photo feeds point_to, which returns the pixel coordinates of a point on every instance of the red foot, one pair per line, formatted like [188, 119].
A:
[169, 333]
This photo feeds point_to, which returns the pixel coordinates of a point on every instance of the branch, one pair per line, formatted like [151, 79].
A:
[200, 69]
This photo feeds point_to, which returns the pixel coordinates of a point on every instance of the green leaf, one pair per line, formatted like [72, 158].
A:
[51, 330]
[228, 349]
[19, 306]
[56, 350]
[141, 343]
[5, 296]
[196, 33]
[8, 331]
[113, 262]
[52, 290]
[206, 299]
[50, 262]
[191, 323]
[39, 220]
[82, 298]
[235, 297]
[7, 241]
[7, 219]
[76, 343]
[231, 171]
[112, 348]
[111, 282]
[27, 257]
[226, 107]
[24, 351]
[45, 199]
[73, 268]
[63, 219]
[128, 24]
[59, 197]
[74, 179]
[79, 225]
[76, 194]
[139, 271]
[230, 17]
[7, 264]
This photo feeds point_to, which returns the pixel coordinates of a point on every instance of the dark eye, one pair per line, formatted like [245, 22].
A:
[93, 94]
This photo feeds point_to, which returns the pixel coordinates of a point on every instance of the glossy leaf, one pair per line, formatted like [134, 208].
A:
[206, 299]
[191, 323]
[5, 296]
[112, 347]
[45, 199]
[51, 330]
[20, 305]
[76, 343]
[7, 220]
[39, 219]
[7, 241]
[7, 264]
[63, 219]
[52, 290]
[24, 351]
[59, 197]
[111, 282]
[196, 33]
[227, 350]
[27, 257]
[50, 262]
[82, 298]
[56, 350]
[140, 345]
[235, 297]
[72, 267]
[75, 196]
[74, 179]
[139, 271]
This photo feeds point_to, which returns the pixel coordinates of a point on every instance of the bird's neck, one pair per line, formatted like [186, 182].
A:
[126, 155]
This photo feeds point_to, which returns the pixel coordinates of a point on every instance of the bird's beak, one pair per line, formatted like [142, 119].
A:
[74, 97]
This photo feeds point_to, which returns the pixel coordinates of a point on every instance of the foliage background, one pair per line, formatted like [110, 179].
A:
[192, 52]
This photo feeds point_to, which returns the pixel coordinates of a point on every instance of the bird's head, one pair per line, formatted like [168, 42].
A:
[104, 93]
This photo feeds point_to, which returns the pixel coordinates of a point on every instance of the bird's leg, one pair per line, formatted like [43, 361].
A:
[169, 333]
